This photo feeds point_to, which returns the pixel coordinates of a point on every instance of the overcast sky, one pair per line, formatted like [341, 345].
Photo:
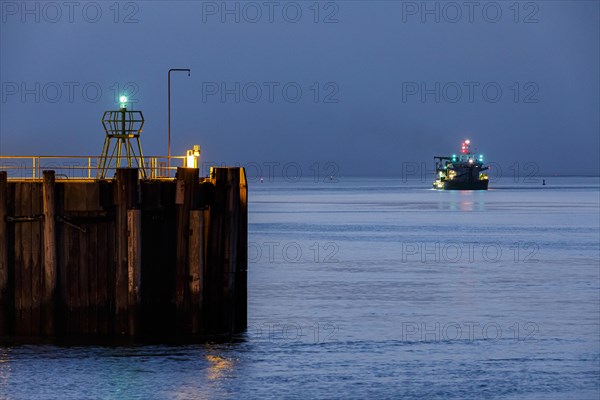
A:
[366, 85]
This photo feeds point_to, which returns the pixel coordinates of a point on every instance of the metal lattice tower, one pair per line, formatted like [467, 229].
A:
[122, 127]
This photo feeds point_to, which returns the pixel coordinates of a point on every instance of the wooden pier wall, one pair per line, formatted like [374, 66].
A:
[124, 257]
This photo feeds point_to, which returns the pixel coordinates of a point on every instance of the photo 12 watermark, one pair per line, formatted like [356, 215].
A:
[273, 252]
[469, 252]
[281, 332]
[516, 172]
[70, 12]
[471, 92]
[270, 12]
[470, 12]
[70, 92]
[270, 92]
[326, 172]
[468, 331]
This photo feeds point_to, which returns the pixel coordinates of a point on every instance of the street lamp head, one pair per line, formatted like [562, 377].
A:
[191, 159]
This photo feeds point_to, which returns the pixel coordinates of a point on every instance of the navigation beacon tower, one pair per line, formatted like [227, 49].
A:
[122, 142]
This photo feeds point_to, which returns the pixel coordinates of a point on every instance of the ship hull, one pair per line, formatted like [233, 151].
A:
[473, 185]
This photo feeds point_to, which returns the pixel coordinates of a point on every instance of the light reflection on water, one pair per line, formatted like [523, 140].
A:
[5, 367]
[219, 367]
[465, 200]
[365, 326]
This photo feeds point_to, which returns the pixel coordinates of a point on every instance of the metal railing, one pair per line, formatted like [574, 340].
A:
[81, 167]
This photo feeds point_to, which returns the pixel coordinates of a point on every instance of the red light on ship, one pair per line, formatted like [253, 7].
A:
[465, 146]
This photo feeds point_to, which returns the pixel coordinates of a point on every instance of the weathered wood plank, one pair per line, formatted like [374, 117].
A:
[241, 281]
[111, 276]
[4, 267]
[72, 265]
[36, 259]
[231, 248]
[82, 197]
[134, 268]
[62, 287]
[221, 256]
[196, 266]
[187, 185]
[73, 262]
[158, 259]
[84, 280]
[126, 198]
[18, 260]
[92, 262]
[50, 254]
[233, 197]
[23, 261]
[101, 277]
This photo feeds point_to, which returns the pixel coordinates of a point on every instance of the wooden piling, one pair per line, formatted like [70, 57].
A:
[196, 266]
[4, 295]
[186, 187]
[214, 276]
[241, 273]
[49, 264]
[93, 256]
[37, 259]
[231, 233]
[222, 254]
[126, 198]
[134, 267]
[23, 258]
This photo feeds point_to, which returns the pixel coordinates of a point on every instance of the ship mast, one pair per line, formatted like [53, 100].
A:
[466, 155]
[466, 147]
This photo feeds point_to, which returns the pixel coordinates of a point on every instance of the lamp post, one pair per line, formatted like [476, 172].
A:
[169, 100]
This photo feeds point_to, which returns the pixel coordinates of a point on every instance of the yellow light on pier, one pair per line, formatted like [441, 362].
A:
[191, 157]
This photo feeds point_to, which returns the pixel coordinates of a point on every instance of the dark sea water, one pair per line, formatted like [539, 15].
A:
[378, 288]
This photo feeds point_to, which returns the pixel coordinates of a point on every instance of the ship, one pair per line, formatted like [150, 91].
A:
[463, 172]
